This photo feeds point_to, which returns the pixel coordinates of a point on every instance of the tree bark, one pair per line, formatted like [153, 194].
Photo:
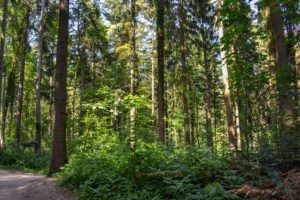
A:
[51, 92]
[4, 17]
[238, 128]
[21, 83]
[74, 97]
[193, 124]
[132, 72]
[272, 70]
[153, 80]
[50, 116]
[227, 99]
[184, 75]
[38, 79]
[8, 98]
[4, 109]
[83, 62]
[1, 57]
[207, 100]
[160, 6]
[167, 138]
[284, 75]
[297, 61]
[59, 152]
[93, 60]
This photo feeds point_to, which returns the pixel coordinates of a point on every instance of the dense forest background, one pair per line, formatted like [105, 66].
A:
[152, 99]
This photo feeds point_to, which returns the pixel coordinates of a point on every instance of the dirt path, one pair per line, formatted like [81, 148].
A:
[18, 185]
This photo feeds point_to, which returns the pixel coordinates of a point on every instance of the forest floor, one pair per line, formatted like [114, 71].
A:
[18, 185]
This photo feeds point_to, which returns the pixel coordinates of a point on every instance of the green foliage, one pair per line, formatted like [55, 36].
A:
[25, 160]
[216, 191]
[106, 171]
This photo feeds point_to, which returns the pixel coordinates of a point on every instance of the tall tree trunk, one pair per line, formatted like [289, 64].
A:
[59, 152]
[166, 115]
[272, 70]
[4, 108]
[132, 72]
[238, 128]
[4, 86]
[21, 83]
[132, 86]
[197, 122]
[50, 116]
[227, 99]
[1, 57]
[4, 17]
[284, 77]
[74, 98]
[214, 101]
[193, 124]
[153, 80]
[12, 94]
[174, 97]
[83, 62]
[184, 75]
[297, 62]
[38, 79]
[207, 101]
[160, 12]
[51, 84]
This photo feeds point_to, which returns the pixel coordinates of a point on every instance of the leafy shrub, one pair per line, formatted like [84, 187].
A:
[110, 171]
[19, 159]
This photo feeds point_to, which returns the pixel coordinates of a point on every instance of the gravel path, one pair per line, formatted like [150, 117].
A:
[18, 185]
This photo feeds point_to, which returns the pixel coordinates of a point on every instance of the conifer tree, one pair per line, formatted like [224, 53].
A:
[59, 152]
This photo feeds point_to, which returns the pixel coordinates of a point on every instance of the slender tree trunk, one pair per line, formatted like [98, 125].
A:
[78, 61]
[74, 97]
[38, 79]
[4, 87]
[1, 58]
[93, 58]
[284, 75]
[166, 115]
[238, 128]
[4, 109]
[197, 122]
[207, 100]
[174, 97]
[83, 62]
[153, 80]
[160, 6]
[51, 84]
[12, 94]
[132, 87]
[297, 61]
[132, 72]
[59, 152]
[288, 26]
[214, 96]
[82, 85]
[227, 99]
[4, 17]
[184, 75]
[21, 83]
[50, 116]
[193, 124]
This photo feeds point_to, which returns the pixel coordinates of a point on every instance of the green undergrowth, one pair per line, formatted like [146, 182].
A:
[108, 170]
[28, 161]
